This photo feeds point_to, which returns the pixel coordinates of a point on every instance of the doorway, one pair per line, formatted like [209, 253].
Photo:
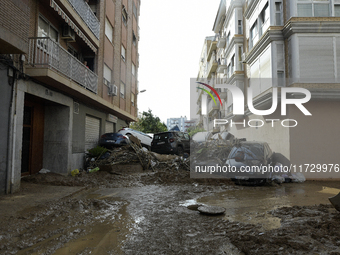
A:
[32, 137]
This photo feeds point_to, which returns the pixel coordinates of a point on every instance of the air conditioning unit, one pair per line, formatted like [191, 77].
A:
[113, 90]
[68, 34]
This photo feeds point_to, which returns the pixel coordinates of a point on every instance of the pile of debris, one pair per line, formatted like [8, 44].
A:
[216, 150]
[134, 153]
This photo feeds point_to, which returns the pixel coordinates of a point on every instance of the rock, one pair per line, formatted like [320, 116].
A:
[211, 210]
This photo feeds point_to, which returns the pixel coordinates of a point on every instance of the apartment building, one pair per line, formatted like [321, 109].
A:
[179, 122]
[263, 46]
[68, 74]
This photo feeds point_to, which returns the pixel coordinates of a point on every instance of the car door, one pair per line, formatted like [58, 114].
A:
[186, 141]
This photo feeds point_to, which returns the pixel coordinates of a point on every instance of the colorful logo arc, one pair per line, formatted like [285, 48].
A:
[213, 90]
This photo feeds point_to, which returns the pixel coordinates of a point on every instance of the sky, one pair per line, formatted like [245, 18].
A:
[172, 35]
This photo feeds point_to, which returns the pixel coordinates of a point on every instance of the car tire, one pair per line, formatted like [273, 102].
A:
[180, 151]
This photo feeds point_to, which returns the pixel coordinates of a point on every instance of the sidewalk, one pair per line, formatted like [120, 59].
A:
[31, 195]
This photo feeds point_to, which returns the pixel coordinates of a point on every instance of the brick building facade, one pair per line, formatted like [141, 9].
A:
[68, 74]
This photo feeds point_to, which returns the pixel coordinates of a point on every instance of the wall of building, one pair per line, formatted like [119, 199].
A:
[57, 137]
[276, 135]
[316, 139]
[14, 26]
[5, 99]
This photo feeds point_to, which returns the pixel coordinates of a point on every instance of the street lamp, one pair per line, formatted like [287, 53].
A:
[142, 91]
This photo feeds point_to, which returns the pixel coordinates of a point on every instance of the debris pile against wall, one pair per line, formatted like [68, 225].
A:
[135, 153]
[214, 149]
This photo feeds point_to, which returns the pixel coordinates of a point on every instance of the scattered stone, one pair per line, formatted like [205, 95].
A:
[211, 210]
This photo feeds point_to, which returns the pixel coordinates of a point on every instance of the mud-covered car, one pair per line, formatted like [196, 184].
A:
[111, 140]
[145, 139]
[171, 142]
[250, 162]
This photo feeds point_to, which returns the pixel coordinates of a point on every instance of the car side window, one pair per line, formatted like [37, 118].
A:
[186, 136]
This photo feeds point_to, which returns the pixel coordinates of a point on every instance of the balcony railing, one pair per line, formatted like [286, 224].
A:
[212, 106]
[46, 53]
[212, 65]
[85, 12]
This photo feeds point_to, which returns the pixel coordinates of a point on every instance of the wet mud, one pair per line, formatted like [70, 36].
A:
[156, 213]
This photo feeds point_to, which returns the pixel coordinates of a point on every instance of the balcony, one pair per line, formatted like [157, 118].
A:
[221, 42]
[221, 68]
[212, 65]
[211, 49]
[44, 53]
[223, 95]
[198, 108]
[212, 107]
[85, 12]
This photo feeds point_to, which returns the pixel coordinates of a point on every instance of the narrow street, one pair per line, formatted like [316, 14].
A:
[146, 213]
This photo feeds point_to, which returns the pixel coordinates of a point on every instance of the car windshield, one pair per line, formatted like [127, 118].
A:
[250, 151]
[162, 136]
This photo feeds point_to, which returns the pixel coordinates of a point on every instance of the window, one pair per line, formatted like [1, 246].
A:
[228, 38]
[239, 27]
[132, 99]
[232, 62]
[123, 53]
[122, 90]
[278, 11]
[313, 8]
[264, 19]
[107, 74]
[229, 70]
[134, 9]
[124, 16]
[337, 10]
[134, 38]
[253, 34]
[133, 69]
[72, 51]
[108, 30]
[45, 29]
[240, 67]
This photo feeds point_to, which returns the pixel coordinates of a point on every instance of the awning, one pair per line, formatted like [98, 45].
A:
[57, 8]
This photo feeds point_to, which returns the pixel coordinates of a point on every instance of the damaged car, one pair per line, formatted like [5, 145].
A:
[171, 142]
[250, 163]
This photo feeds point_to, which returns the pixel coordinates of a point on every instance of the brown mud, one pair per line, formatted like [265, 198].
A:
[147, 213]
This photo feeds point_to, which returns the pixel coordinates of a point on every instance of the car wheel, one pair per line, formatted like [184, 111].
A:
[180, 151]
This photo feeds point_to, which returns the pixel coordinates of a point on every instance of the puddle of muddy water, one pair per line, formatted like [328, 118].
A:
[105, 237]
[252, 204]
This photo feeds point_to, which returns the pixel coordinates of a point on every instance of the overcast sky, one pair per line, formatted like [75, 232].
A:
[172, 34]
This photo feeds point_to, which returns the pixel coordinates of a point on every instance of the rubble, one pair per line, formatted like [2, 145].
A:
[217, 150]
[134, 153]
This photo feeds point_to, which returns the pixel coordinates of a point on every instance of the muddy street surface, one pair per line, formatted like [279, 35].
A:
[155, 213]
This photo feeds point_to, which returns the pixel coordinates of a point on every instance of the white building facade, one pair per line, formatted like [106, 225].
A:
[173, 122]
[267, 45]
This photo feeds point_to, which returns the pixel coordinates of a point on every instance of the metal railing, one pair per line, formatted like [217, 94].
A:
[85, 12]
[46, 53]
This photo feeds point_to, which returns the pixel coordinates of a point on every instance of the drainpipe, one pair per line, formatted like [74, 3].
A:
[11, 135]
